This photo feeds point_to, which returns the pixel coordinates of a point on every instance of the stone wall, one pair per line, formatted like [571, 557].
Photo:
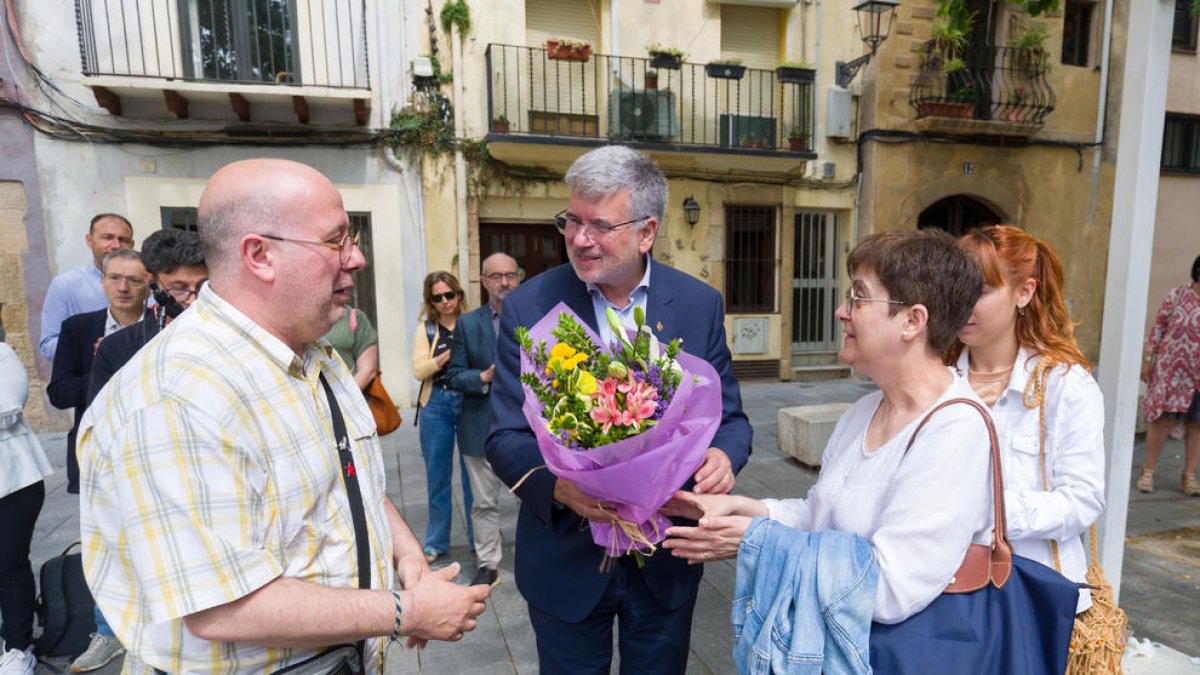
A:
[14, 308]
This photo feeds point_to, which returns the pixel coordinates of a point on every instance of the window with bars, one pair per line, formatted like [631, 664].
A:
[749, 259]
[1181, 144]
[1183, 36]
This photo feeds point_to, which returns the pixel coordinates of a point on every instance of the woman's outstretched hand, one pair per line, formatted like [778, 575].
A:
[719, 531]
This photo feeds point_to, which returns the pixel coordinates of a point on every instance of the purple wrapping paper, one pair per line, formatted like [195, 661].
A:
[638, 474]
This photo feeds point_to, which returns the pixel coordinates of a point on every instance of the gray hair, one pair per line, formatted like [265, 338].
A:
[497, 254]
[118, 254]
[223, 225]
[607, 170]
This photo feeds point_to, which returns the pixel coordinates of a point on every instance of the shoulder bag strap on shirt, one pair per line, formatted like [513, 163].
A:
[350, 478]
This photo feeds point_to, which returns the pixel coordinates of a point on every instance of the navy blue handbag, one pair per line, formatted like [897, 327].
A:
[1000, 614]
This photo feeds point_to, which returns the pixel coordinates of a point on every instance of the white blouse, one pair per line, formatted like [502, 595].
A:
[1074, 464]
[22, 460]
[919, 510]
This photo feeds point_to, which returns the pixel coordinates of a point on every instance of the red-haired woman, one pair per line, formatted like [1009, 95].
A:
[1019, 354]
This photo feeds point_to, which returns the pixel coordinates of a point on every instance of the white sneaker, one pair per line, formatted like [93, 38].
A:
[17, 662]
[101, 650]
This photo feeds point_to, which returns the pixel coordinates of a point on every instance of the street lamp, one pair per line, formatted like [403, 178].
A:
[691, 211]
[874, 23]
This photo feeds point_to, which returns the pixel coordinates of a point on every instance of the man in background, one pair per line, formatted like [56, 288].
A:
[125, 287]
[174, 260]
[79, 290]
[470, 370]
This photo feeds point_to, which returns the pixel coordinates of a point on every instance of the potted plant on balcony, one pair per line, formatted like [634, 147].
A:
[568, 50]
[797, 72]
[500, 124]
[797, 140]
[650, 80]
[725, 69]
[1014, 105]
[665, 58]
[1029, 50]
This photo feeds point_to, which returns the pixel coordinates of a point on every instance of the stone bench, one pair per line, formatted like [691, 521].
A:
[804, 430]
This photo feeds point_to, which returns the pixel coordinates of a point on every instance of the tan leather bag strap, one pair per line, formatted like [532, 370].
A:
[982, 564]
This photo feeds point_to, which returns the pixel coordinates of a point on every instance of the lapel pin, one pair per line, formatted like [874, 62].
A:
[659, 326]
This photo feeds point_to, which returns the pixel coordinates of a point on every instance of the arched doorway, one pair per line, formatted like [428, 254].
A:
[958, 214]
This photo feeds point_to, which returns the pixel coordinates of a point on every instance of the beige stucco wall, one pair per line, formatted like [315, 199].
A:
[1176, 227]
[699, 250]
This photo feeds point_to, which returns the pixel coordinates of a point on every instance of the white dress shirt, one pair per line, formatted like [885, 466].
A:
[919, 510]
[1074, 464]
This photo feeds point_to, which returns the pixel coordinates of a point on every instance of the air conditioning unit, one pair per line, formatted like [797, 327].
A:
[642, 114]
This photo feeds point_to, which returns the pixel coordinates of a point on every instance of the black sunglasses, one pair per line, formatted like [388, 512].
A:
[448, 295]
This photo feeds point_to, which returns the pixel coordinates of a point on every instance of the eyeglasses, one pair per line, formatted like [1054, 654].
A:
[569, 224]
[184, 294]
[344, 246]
[853, 299]
[132, 280]
[444, 297]
[498, 276]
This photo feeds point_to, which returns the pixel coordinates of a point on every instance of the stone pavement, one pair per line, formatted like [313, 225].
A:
[1160, 591]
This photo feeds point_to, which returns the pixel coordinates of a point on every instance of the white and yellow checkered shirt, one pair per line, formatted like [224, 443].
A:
[209, 469]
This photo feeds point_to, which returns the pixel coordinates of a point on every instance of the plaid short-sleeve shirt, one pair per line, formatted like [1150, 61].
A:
[209, 469]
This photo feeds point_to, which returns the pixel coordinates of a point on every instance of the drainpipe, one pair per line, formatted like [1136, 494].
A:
[1101, 109]
[460, 167]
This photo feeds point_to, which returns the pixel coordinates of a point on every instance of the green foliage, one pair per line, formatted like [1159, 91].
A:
[948, 39]
[952, 65]
[1195, 8]
[674, 51]
[1038, 7]
[795, 64]
[456, 14]
[442, 76]
[1033, 38]
[420, 127]
[726, 62]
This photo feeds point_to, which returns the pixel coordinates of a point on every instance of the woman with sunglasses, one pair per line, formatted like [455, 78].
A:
[1019, 354]
[918, 505]
[439, 407]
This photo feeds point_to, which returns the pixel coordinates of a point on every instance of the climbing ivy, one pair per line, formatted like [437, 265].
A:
[456, 14]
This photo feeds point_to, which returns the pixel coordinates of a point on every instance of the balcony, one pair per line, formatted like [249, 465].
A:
[263, 55]
[583, 98]
[985, 90]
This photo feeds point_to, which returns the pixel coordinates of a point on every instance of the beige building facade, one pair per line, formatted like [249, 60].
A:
[888, 150]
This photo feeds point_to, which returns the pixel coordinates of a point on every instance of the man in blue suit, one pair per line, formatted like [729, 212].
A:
[616, 203]
[470, 370]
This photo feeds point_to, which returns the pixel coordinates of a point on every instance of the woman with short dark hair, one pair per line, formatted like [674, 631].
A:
[921, 505]
[1171, 371]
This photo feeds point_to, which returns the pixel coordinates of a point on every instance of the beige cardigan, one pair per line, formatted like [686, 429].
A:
[423, 363]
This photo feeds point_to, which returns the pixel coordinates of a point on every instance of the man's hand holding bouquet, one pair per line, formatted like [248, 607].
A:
[626, 423]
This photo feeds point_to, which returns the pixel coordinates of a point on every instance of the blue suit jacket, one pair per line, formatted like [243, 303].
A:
[68, 386]
[474, 351]
[556, 560]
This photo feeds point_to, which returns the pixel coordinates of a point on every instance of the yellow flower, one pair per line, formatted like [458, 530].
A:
[587, 383]
[564, 357]
[561, 351]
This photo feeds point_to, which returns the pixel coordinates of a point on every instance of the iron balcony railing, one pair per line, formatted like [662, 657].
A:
[576, 94]
[283, 42]
[1005, 84]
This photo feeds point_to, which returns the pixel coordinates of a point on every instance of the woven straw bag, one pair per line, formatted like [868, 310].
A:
[1100, 634]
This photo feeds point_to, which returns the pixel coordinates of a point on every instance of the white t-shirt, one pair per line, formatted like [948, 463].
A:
[919, 510]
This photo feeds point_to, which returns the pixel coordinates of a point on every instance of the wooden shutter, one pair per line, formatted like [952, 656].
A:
[571, 19]
[751, 34]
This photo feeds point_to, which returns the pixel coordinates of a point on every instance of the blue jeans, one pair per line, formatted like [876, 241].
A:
[438, 422]
[102, 626]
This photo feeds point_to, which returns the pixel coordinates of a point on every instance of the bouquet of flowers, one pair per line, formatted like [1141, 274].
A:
[628, 423]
